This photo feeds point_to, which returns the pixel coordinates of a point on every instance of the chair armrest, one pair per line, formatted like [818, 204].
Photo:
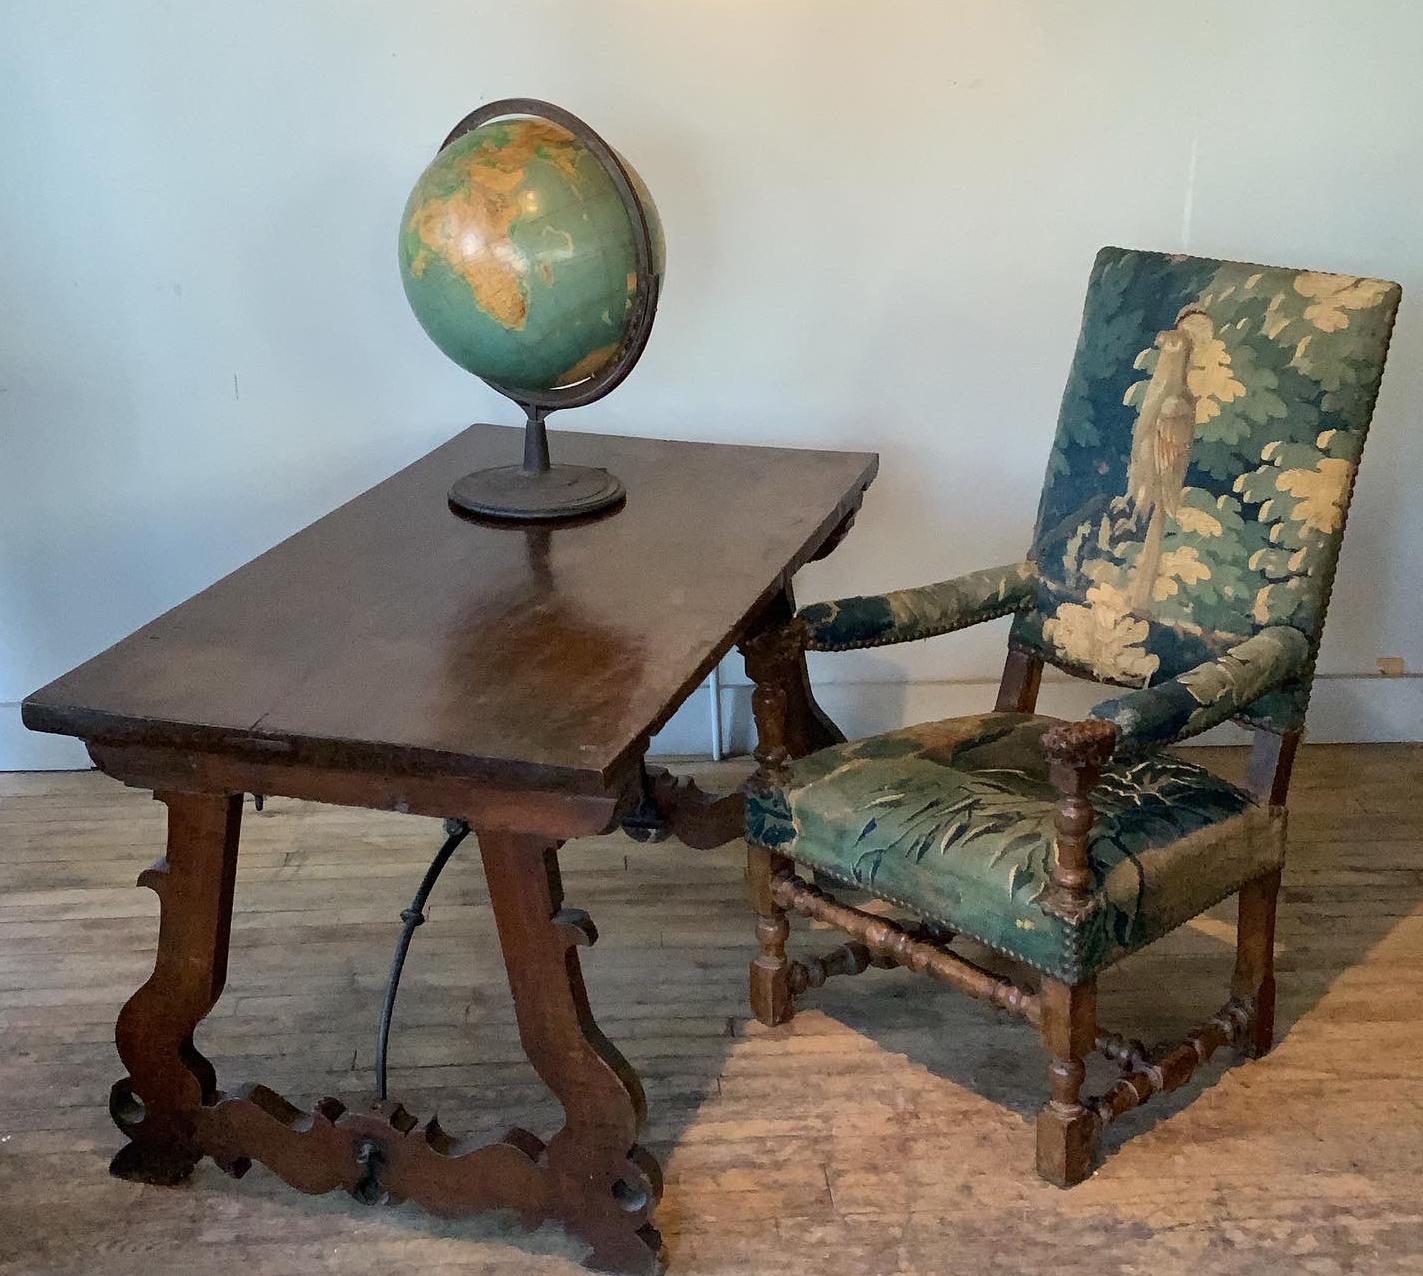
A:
[905, 615]
[1210, 693]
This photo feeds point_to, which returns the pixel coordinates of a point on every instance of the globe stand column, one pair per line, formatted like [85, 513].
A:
[536, 442]
[536, 491]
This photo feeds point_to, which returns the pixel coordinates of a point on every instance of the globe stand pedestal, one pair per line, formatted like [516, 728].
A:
[536, 491]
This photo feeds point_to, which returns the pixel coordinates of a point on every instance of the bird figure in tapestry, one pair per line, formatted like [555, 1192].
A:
[1161, 447]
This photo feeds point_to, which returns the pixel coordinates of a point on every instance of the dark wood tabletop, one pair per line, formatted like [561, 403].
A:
[395, 634]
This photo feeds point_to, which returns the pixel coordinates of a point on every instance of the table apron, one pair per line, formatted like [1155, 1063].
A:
[505, 809]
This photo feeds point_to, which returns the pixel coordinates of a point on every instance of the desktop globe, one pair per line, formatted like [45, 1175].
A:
[532, 255]
[518, 256]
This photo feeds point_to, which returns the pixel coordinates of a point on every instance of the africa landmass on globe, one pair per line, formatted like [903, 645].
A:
[518, 255]
[485, 205]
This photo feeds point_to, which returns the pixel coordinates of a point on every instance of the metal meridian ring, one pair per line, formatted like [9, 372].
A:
[649, 284]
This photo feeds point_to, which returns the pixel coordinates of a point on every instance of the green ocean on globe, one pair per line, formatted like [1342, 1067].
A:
[518, 255]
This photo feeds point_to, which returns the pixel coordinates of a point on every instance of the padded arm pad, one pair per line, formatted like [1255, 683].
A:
[1210, 693]
[875, 620]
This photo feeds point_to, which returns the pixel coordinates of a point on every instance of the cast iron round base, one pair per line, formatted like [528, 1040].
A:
[561, 491]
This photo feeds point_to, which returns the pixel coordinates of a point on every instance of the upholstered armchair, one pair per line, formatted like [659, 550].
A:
[1184, 551]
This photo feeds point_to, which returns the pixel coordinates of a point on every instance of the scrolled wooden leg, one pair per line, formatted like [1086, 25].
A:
[772, 1001]
[1253, 984]
[168, 1081]
[1067, 1131]
[605, 1185]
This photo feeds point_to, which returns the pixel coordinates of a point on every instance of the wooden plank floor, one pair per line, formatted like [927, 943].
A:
[887, 1130]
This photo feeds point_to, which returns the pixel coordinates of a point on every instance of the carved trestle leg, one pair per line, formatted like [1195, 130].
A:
[1253, 984]
[1067, 1129]
[169, 1081]
[591, 1175]
[604, 1183]
[771, 995]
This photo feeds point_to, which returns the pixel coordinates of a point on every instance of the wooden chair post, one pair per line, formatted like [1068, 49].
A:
[1253, 984]
[1067, 1131]
[1018, 690]
[771, 997]
[789, 724]
[1272, 760]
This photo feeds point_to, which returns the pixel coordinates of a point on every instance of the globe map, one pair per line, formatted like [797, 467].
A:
[518, 255]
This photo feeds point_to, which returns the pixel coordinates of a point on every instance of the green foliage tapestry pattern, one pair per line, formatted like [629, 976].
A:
[1198, 699]
[903, 615]
[953, 820]
[1204, 461]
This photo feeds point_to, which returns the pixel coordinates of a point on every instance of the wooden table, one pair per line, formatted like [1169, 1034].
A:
[394, 655]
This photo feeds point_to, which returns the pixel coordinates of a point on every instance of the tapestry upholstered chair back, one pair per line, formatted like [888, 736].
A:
[1205, 456]
[1185, 547]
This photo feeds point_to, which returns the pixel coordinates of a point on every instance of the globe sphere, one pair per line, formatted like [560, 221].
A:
[519, 256]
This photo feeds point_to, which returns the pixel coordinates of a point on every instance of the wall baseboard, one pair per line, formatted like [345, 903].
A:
[1344, 710]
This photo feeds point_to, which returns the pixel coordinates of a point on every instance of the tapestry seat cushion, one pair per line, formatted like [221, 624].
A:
[953, 820]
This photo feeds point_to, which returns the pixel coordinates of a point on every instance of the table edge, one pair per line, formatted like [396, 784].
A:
[338, 753]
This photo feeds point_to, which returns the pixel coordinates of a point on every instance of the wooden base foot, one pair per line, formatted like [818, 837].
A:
[771, 999]
[1067, 1144]
[383, 1155]
[156, 1166]
[592, 1174]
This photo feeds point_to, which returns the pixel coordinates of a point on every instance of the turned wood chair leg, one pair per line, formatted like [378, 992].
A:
[1067, 1131]
[1254, 979]
[771, 999]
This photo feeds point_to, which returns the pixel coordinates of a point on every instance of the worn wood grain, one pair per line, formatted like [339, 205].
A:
[393, 636]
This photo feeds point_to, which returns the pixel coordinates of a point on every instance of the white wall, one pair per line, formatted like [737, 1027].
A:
[880, 220]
